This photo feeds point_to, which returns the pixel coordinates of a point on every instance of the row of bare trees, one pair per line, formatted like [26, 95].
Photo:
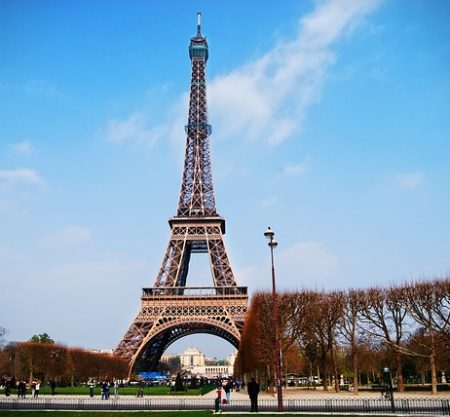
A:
[51, 361]
[351, 332]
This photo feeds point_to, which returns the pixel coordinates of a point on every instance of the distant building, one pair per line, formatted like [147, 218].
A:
[193, 360]
[102, 351]
[192, 357]
[232, 358]
[167, 357]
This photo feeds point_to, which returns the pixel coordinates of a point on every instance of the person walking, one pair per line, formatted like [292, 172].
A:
[103, 390]
[37, 387]
[91, 388]
[218, 400]
[253, 391]
[116, 388]
[227, 389]
[21, 389]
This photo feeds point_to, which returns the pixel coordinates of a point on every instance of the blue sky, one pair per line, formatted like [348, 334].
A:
[330, 123]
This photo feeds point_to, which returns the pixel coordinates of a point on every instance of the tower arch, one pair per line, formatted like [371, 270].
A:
[151, 350]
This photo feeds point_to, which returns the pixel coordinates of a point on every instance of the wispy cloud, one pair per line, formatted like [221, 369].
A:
[267, 99]
[295, 170]
[22, 148]
[306, 264]
[40, 88]
[410, 180]
[71, 235]
[21, 176]
[134, 129]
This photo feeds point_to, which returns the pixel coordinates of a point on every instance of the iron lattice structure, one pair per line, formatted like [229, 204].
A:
[170, 310]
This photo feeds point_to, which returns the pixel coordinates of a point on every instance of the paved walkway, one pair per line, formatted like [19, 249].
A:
[319, 393]
[288, 393]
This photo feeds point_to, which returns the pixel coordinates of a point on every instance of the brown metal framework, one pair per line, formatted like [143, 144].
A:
[170, 310]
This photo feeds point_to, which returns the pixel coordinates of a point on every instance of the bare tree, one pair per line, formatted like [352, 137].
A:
[322, 316]
[429, 305]
[3, 333]
[294, 322]
[385, 315]
[349, 329]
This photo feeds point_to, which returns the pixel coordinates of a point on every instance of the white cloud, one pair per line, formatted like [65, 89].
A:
[410, 180]
[21, 176]
[71, 235]
[307, 264]
[133, 130]
[22, 148]
[295, 170]
[267, 99]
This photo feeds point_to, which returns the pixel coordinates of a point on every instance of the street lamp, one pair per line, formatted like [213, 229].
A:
[269, 234]
[388, 375]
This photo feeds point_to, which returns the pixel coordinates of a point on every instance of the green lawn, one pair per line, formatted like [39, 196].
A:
[160, 390]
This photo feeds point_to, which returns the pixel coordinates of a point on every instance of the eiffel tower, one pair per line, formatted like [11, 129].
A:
[170, 310]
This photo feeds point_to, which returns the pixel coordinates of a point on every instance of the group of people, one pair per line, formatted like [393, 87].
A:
[227, 386]
[105, 389]
[252, 390]
[35, 387]
[22, 389]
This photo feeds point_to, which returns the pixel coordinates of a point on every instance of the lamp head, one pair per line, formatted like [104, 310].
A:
[273, 243]
[269, 233]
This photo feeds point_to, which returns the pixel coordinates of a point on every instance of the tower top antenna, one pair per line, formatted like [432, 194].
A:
[199, 17]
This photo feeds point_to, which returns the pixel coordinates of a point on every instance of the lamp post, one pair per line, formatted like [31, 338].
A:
[388, 375]
[269, 234]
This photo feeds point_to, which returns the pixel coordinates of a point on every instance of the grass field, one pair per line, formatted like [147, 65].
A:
[160, 390]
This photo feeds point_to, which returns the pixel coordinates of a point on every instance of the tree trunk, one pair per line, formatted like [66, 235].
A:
[325, 377]
[335, 370]
[31, 372]
[355, 372]
[433, 365]
[398, 362]
[270, 386]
